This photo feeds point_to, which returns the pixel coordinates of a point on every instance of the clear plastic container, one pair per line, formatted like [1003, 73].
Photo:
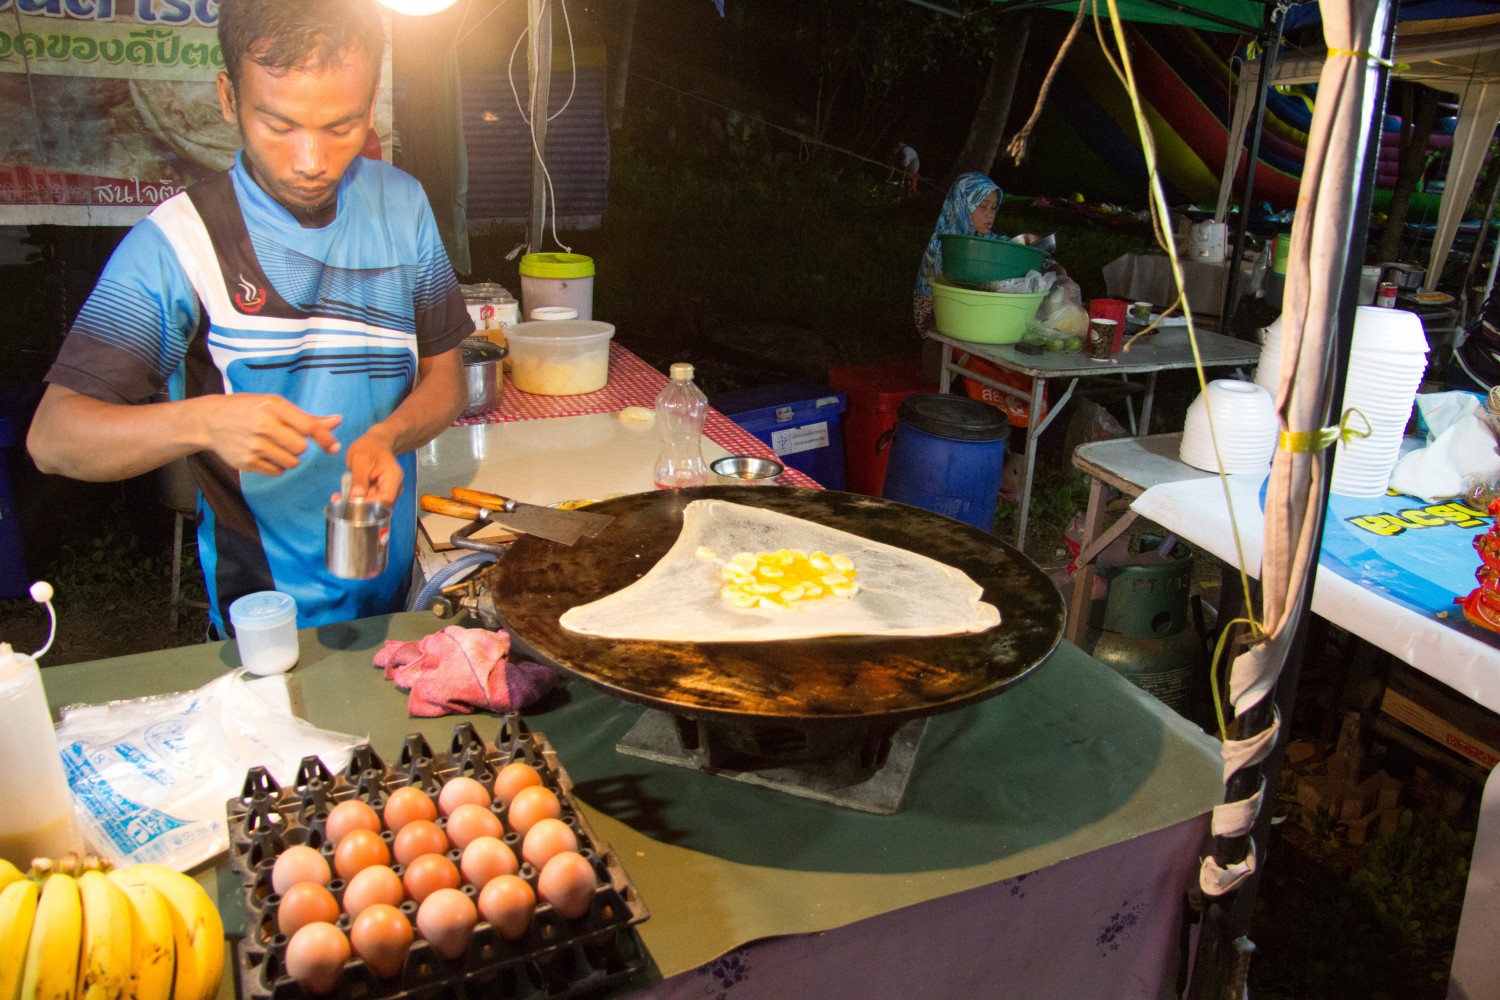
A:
[680, 410]
[560, 358]
[37, 820]
[265, 628]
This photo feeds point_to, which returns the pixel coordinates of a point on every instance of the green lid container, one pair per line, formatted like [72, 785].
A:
[557, 265]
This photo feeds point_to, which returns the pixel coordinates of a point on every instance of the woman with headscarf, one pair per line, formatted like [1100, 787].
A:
[969, 210]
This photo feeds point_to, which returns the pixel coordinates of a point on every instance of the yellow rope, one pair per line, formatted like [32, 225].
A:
[1256, 635]
[1158, 202]
[1312, 442]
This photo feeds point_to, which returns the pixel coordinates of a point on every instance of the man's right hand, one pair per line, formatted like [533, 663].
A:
[264, 434]
[89, 439]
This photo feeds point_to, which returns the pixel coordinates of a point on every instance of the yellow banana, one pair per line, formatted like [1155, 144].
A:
[105, 958]
[152, 946]
[9, 873]
[52, 953]
[197, 930]
[17, 913]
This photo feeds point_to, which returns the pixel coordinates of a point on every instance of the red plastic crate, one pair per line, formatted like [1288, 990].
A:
[872, 394]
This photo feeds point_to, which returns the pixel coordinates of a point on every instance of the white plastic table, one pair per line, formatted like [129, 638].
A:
[1165, 350]
[1193, 505]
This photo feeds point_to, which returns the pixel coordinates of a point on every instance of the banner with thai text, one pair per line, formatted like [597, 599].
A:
[109, 107]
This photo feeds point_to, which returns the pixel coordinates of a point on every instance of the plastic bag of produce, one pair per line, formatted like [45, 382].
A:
[150, 776]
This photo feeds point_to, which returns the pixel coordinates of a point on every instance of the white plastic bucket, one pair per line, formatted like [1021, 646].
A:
[557, 279]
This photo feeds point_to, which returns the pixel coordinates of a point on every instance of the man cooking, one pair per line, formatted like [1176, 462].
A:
[301, 309]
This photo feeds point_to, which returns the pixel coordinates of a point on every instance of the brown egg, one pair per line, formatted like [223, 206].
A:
[568, 884]
[446, 921]
[373, 886]
[485, 858]
[419, 837]
[546, 839]
[429, 873]
[460, 790]
[530, 805]
[299, 864]
[315, 957]
[508, 903]
[512, 778]
[359, 850]
[381, 935]
[305, 903]
[352, 814]
[407, 804]
[469, 822]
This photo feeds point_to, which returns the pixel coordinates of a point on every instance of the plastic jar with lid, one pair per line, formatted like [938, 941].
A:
[557, 279]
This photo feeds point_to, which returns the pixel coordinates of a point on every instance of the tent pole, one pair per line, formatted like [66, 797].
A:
[1271, 43]
[1222, 956]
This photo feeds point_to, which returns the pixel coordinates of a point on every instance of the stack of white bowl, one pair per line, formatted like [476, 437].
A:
[1244, 422]
[1386, 364]
[1268, 372]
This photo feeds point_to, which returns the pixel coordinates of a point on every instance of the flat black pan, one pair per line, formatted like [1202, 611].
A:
[840, 678]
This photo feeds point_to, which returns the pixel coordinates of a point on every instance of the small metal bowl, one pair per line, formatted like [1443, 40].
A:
[746, 470]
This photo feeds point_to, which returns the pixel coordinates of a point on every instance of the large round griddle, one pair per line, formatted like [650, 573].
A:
[842, 679]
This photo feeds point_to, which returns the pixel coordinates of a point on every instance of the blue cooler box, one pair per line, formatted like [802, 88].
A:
[798, 420]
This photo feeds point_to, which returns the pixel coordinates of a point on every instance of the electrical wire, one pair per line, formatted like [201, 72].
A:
[549, 192]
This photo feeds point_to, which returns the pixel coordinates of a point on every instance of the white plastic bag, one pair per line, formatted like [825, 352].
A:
[150, 777]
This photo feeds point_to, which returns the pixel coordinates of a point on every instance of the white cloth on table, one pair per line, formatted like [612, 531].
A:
[1460, 449]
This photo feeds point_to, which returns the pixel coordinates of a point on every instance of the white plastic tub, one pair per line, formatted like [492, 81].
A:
[561, 357]
[265, 629]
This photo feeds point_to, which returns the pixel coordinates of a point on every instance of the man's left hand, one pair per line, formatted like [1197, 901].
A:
[374, 473]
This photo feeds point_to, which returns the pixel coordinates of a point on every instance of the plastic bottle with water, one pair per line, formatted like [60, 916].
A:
[680, 409]
[38, 819]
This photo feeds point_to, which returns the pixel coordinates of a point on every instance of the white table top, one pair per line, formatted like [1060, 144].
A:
[1198, 511]
[537, 461]
[1164, 350]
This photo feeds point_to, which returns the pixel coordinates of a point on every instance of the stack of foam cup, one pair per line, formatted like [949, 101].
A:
[1386, 364]
[1268, 371]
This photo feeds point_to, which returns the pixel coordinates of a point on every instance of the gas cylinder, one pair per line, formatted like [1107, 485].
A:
[1147, 636]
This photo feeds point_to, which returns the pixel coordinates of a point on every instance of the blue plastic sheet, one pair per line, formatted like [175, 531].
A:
[1416, 553]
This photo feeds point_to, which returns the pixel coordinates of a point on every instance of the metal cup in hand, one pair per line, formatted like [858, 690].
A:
[357, 539]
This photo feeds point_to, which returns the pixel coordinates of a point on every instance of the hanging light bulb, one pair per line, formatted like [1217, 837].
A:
[417, 8]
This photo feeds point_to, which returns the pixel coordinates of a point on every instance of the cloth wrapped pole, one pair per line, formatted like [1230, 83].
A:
[1322, 237]
[462, 670]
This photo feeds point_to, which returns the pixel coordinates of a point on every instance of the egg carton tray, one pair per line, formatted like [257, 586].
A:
[558, 958]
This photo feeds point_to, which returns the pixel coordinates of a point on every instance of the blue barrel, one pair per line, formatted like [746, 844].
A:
[946, 456]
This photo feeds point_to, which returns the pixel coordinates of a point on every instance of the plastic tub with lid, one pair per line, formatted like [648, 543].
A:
[560, 358]
[557, 279]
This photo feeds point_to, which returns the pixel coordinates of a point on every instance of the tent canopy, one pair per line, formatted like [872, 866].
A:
[1459, 55]
[1242, 16]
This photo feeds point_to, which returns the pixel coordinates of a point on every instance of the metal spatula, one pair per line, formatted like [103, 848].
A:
[562, 526]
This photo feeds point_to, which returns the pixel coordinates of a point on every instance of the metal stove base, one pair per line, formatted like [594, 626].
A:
[838, 781]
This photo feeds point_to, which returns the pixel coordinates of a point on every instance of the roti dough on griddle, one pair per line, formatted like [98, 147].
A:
[900, 593]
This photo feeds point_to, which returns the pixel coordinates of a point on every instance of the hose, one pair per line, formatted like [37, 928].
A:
[446, 576]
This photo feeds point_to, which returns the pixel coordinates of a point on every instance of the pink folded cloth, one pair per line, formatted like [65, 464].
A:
[461, 670]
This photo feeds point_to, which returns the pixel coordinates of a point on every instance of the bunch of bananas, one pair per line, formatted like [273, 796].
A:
[75, 929]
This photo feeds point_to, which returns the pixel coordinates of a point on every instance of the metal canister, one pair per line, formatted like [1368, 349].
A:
[1385, 295]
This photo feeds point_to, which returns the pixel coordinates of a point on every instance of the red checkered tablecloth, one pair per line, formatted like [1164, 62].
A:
[632, 382]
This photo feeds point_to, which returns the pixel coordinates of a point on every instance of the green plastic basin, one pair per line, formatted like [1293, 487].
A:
[982, 317]
[978, 259]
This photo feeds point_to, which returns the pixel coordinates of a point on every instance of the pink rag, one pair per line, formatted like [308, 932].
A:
[461, 670]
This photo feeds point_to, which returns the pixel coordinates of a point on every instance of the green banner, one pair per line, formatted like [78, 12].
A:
[106, 111]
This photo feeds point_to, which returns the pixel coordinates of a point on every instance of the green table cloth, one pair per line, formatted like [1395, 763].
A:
[1073, 760]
